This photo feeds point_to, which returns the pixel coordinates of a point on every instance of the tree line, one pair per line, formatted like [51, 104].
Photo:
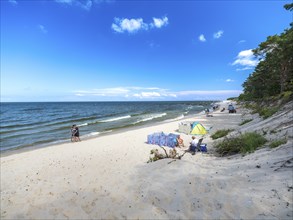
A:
[273, 75]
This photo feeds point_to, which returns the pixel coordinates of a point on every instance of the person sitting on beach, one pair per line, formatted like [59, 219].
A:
[193, 144]
[180, 142]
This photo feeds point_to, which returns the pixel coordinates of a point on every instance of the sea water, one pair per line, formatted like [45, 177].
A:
[44, 123]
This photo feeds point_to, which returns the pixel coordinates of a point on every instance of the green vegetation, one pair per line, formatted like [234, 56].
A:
[272, 79]
[245, 121]
[244, 143]
[233, 98]
[277, 143]
[221, 133]
[268, 112]
[263, 111]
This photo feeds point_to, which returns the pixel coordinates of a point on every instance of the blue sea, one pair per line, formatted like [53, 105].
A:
[39, 124]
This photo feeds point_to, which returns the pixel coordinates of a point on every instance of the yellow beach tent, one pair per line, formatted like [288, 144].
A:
[198, 128]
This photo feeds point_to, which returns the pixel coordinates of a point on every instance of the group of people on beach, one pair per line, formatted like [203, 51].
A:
[74, 134]
[193, 143]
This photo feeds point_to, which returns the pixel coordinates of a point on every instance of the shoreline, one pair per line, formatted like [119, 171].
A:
[109, 178]
[41, 132]
[11, 151]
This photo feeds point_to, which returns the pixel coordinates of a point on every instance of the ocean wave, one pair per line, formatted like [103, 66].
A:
[81, 125]
[150, 118]
[175, 119]
[116, 119]
[93, 133]
[96, 133]
[33, 109]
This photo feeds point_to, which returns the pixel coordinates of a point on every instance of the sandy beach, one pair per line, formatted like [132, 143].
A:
[109, 178]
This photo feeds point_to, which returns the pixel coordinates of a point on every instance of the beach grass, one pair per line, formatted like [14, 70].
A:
[245, 121]
[221, 133]
[277, 143]
[244, 143]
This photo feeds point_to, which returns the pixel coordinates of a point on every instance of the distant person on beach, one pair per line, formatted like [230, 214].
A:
[180, 142]
[74, 133]
[207, 111]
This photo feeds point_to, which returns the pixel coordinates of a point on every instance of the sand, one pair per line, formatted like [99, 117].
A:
[109, 178]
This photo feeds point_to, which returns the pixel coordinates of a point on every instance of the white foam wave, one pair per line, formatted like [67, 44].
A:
[151, 118]
[85, 124]
[175, 119]
[94, 133]
[116, 119]
[97, 133]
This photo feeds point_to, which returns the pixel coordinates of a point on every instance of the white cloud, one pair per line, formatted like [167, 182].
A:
[65, 1]
[245, 68]
[154, 93]
[84, 4]
[147, 95]
[159, 22]
[241, 41]
[129, 25]
[208, 92]
[13, 2]
[202, 38]
[229, 80]
[133, 25]
[218, 34]
[42, 29]
[245, 58]
[87, 5]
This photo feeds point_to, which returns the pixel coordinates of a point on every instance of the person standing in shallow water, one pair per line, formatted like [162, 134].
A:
[76, 135]
[73, 131]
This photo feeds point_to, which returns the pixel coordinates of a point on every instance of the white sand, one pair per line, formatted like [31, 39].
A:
[108, 177]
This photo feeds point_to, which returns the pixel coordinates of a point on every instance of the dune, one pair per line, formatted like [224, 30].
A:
[108, 177]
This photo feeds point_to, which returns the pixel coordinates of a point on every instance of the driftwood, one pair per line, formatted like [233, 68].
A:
[158, 156]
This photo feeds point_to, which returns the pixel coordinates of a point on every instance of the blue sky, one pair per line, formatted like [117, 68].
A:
[98, 50]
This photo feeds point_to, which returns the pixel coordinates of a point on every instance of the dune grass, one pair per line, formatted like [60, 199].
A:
[277, 143]
[245, 121]
[244, 143]
[221, 133]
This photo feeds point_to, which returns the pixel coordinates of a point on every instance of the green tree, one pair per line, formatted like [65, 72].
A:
[274, 73]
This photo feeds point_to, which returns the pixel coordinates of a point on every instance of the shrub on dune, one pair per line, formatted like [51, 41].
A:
[244, 143]
[220, 133]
